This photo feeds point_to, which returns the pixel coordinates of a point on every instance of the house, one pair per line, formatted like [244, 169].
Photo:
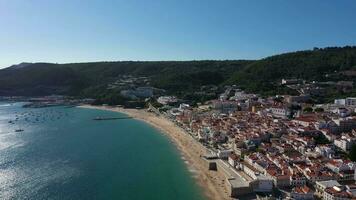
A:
[298, 180]
[281, 178]
[337, 193]
[322, 185]
[318, 173]
[324, 151]
[338, 165]
[306, 120]
[348, 175]
[344, 169]
[302, 193]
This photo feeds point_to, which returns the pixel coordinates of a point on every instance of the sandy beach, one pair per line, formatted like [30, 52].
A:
[211, 182]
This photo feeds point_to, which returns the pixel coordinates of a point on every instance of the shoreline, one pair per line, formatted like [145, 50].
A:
[212, 183]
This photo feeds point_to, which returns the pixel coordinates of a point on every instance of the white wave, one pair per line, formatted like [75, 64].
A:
[5, 105]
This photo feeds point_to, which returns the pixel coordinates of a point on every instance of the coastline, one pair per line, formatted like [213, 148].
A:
[212, 183]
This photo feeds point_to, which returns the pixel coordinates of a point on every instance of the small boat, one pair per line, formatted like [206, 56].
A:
[19, 130]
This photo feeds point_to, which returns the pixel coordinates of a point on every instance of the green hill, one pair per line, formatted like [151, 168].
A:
[179, 77]
[311, 65]
[88, 78]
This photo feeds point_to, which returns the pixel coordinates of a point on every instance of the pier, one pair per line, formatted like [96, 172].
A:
[111, 118]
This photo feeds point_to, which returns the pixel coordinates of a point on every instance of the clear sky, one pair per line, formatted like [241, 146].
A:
[86, 30]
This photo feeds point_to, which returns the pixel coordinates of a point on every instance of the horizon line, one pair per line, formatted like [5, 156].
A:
[182, 60]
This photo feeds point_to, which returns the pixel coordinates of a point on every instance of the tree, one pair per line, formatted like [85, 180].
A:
[308, 109]
[319, 110]
[321, 139]
[352, 154]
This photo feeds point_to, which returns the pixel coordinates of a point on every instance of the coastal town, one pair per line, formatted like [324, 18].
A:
[277, 147]
[274, 147]
[178, 100]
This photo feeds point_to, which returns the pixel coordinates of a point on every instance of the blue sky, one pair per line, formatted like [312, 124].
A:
[78, 31]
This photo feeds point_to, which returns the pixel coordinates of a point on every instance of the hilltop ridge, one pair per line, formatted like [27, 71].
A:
[179, 77]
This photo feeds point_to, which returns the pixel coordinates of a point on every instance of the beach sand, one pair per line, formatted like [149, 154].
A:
[212, 182]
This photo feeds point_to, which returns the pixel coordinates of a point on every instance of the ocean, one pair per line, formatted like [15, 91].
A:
[62, 153]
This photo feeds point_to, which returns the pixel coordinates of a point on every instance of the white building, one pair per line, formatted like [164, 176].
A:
[340, 102]
[282, 112]
[203, 134]
[233, 159]
[337, 166]
[342, 112]
[350, 101]
[260, 183]
[183, 106]
[224, 154]
[167, 100]
[325, 151]
[344, 143]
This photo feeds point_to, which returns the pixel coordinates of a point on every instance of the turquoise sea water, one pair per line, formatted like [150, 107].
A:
[64, 154]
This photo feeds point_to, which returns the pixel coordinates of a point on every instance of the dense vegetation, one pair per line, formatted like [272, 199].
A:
[180, 77]
[318, 64]
[352, 154]
[91, 79]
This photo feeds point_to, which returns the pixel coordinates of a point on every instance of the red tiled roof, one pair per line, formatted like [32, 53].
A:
[302, 190]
